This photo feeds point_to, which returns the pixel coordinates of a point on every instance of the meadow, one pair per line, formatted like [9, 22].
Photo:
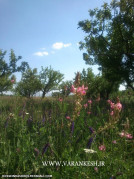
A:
[70, 130]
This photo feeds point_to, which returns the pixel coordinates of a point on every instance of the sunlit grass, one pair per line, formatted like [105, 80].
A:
[36, 130]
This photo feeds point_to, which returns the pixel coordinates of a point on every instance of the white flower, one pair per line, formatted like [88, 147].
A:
[90, 151]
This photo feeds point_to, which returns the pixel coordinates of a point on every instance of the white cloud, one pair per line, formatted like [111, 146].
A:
[67, 45]
[60, 45]
[41, 54]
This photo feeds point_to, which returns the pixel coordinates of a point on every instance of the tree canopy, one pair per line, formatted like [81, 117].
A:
[29, 84]
[110, 40]
[7, 69]
[50, 79]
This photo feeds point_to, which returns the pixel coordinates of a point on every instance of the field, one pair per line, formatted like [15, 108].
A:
[48, 137]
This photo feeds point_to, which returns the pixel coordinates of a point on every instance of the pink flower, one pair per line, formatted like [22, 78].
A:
[112, 113]
[90, 101]
[109, 101]
[102, 147]
[60, 99]
[96, 169]
[68, 117]
[122, 134]
[114, 142]
[118, 106]
[73, 90]
[12, 81]
[78, 114]
[128, 136]
[112, 105]
[85, 105]
[81, 90]
[88, 112]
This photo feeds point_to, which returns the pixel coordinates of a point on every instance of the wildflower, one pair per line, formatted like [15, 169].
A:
[128, 136]
[85, 105]
[90, 151]
[78, 114]
[114, 142]
[68, 117]
[43, 120]
[11, 115]
[12, 81]
[96, 169]
[102, 147]
[90, 101]
[72, 127]
[118, 106]
[88, 112]
[112, 105]
[45, 148]
[26, 113]
[90, 142]
[122, 134]
[81, 90]
[60, 99]
[73, 90]
[112, 113]
[91, 130]
[109, 101]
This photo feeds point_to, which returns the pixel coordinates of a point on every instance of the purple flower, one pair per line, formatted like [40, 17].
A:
[91, 130]
[72, 127]
[45, 148]
[43, 120]
[90, 142]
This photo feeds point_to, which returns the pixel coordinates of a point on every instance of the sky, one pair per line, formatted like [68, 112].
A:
[45, 32]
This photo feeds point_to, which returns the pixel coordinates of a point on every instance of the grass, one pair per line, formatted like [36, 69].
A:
[35, 131]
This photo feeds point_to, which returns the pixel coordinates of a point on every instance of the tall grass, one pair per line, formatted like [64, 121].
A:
[36, 130]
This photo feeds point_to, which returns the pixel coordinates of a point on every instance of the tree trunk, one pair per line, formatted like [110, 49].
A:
[43, 94]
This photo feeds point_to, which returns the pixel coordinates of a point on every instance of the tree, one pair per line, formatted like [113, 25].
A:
[29, 84]
[50, 79]
[7, 78]
[65, 87]
[110, 40]
[97, 85]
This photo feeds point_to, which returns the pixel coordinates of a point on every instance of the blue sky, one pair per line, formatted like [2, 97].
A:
[44, 32]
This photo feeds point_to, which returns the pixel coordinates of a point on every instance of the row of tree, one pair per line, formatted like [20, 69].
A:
[109, 43]
[31, 82]
[47, 80]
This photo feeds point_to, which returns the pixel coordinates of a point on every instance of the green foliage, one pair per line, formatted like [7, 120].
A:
[110, 40]
[65, 88]
[7, 70]
[29, 84]
[27, 125]
[50, 79]
[98, 85]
